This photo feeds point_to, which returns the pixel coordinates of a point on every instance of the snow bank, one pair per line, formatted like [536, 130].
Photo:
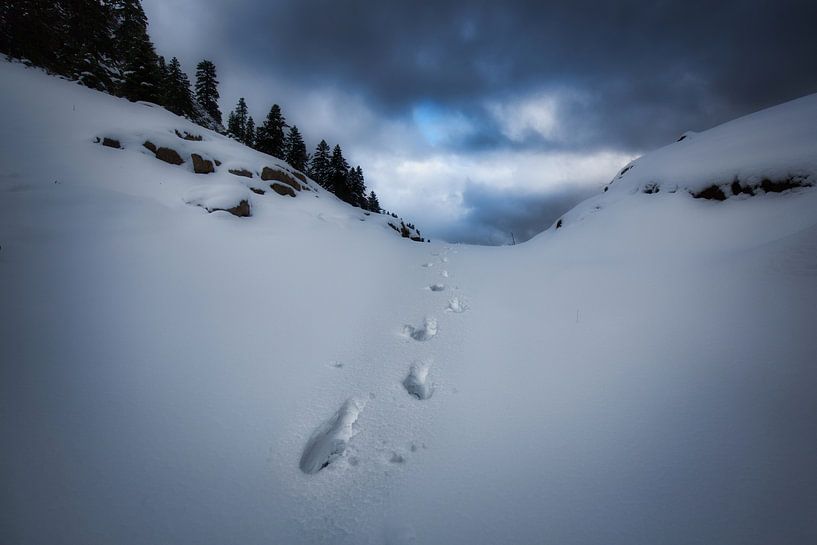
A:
[218, 196]
[773, 144]
[770, 151]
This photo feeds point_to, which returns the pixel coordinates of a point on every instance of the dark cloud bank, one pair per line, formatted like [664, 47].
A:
[630, 76]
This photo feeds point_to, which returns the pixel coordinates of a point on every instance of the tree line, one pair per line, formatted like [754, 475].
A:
[326, 166]
[104, 45]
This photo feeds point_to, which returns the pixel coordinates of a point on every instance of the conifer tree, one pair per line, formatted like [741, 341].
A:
[177, 96]
[373, 203]
[339, 182]
[33, 30]
[237, 121]
[357, 188]
[141, 79]
[162, 67]
[207, 89]
[232, 124]
[319, 167]
[271, 138]
[164, 79]
[296, 149]
[249, 133]
[87, 50]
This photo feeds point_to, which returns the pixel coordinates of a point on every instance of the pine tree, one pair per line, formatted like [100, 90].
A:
[271, 138]
[233, 126]
[207, 89]
[339, 182]
[163, 68]
[141, 79]
[357, 188]
[33, 30]
[237, 121]
[319, 167]
[164, 79]
[373, 203]
[177, 95]
[87, 51]
[249, 133]
[296, 149]
[68, 37]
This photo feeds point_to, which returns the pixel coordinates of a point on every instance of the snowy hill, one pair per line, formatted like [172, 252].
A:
[645, 373]
[743, 173]
[145, 151]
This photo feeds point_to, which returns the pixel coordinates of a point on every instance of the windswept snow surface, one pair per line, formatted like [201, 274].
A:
[644, 374]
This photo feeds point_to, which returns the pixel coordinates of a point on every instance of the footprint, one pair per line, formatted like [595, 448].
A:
[424, 333]
[397, 458]
[444, 274]
[456, 305]
[437, 287]
[416, 383]
[428, 265]
[329, 441]
[443, 260]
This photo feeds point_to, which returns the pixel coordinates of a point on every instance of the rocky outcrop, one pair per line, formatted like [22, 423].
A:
[300, 176]
[283, 189]
[242, 210]
[712, 192]
[111, 143]
[257, 191]
[240, 172]
[280, 176]
[202, 165]
[189, 136]
[167, 155]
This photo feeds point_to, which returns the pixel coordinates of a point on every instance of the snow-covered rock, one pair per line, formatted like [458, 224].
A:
[212, 197]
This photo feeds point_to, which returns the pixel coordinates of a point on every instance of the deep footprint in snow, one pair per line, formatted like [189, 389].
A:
[444, 274]
[424, 333]
[455, 304]
[437, 287]
[428, 265]
[416, 383]
[329, 441]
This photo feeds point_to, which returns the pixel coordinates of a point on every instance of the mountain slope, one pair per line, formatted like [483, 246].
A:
[103, 143]
[643, 374]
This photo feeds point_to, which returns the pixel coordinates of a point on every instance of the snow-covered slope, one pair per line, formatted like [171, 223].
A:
[643, 374]
[101, 143]
[752, 158]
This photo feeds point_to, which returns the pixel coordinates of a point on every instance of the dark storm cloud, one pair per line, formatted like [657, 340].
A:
[401, 83]
[649, 70]
[501, 216]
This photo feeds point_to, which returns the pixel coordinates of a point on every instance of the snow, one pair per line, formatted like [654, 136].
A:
[217, 196]
[416, 382]
[330, 440]
[748, 148]
[643, 374]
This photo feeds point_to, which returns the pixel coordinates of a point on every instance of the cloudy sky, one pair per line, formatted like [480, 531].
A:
[478, 119]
